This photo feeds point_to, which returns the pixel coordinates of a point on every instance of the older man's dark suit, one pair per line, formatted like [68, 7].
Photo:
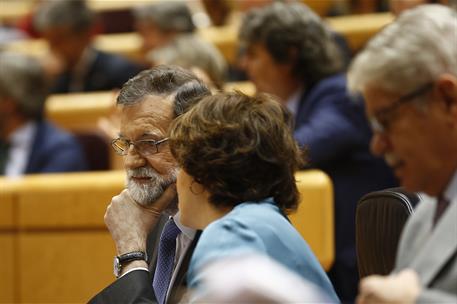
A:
[136, 286]
[334, 129]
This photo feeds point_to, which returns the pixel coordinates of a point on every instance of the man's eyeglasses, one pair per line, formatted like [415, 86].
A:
[380, 121]
[145, 147]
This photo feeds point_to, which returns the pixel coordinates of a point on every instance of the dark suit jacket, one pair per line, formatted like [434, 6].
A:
[54, 150]
[136, 286]
[336, 132]
[107, 72]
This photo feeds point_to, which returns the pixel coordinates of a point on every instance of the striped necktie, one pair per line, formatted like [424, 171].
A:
[165, 259]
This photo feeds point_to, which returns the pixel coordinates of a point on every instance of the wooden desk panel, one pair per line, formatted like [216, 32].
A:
[8, 271]
[64, 267]
[7, 219]
[314, 218]
[64, 200]
[79, 111]
[358, 29]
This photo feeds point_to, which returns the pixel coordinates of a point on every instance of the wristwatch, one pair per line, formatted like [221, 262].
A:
[123, 259]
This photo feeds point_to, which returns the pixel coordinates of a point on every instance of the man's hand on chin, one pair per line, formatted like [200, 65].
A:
[129, 222]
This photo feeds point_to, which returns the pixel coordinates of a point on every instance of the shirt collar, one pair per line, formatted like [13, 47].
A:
[189, 232]
[293, 101]
[23, 137]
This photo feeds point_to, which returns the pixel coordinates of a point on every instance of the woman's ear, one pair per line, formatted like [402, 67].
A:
[196, 188]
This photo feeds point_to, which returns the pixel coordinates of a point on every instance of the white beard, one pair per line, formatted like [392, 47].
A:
[147, 193]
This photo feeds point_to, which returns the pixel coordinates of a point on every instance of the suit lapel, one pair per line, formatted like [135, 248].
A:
[439, 247]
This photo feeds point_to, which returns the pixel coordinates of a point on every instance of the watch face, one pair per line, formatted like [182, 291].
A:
[116, 267]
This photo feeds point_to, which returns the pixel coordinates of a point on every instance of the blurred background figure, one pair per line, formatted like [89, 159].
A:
[169, 37]
[191, 52]
[69, 27]
[255, 278]
[28, 143]
[291, 54]
[159, 23]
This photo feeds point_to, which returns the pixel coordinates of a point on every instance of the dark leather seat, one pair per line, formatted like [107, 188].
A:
[96, 150]
[380, 218]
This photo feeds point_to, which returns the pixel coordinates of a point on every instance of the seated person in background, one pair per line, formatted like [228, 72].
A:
[169, 37]
[290, 53]
[191, 52]
[68, 26]
[238, 159]
[28, 143]
[408, 75]
[159, 23]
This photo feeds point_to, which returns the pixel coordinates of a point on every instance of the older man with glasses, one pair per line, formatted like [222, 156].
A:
[408, 76]
[153, 248]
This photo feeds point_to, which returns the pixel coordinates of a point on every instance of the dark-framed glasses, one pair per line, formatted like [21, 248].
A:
[145, 147]
[381, 120]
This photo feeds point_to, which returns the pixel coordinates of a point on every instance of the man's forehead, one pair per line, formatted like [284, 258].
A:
[152, 115]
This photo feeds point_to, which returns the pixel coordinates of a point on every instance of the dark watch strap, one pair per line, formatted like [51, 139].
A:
[132, 256]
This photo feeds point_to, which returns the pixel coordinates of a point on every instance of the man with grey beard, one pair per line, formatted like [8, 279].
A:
[143, 218]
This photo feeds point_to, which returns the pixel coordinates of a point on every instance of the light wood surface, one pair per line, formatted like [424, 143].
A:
[358, 29]
[79, 111]
[59, 251]
[314, 217]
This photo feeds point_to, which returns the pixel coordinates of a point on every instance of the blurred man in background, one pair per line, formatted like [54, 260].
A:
[29, 143]
[69, 27]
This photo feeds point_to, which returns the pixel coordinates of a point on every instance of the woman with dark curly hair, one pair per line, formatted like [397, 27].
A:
[238, 158]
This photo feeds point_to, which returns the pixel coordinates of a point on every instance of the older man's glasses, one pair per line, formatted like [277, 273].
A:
[381, 120]
[145, 147]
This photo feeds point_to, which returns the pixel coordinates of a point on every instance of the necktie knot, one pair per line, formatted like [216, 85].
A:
[170, 231]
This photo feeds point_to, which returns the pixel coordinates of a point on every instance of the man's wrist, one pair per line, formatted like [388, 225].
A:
[133, 264]
[124, 260]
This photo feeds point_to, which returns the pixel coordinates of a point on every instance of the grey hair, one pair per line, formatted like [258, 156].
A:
[72, 13]
[167, 16]
[287, 27]
[418, 47]
[166, 81]
[22, 79]
[191, 51]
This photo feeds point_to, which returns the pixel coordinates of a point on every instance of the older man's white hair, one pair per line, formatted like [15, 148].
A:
[416, 49]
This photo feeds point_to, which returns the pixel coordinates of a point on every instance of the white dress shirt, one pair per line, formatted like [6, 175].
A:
[293, 102]
[21, 142]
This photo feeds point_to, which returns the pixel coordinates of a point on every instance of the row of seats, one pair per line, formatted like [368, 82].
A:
[52, 231]
[357, 29]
